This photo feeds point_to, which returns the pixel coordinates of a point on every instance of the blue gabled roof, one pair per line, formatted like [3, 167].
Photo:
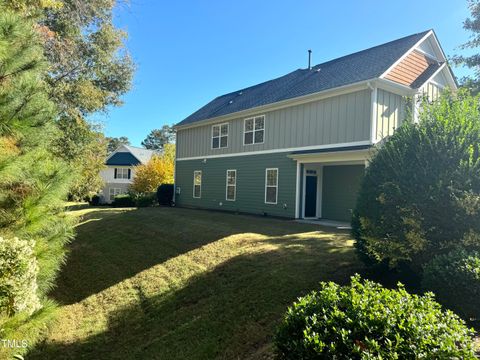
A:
[361, 66]
[123, 159]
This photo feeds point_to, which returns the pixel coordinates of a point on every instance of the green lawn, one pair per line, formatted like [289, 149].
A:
[170, 283]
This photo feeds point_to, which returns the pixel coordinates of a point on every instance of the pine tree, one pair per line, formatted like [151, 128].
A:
[33, 181]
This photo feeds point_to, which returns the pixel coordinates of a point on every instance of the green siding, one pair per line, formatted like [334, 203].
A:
[250, 196]
[340, 188]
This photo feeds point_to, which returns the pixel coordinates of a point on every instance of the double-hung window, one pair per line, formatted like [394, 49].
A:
[197, 184]
[114, 192]
[121, 173]
[254, 130]
[271, 186]
[220, 136]
[231, 191]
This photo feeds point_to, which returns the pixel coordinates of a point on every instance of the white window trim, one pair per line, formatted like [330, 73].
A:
[201, 180]
[219, 136]
[115, 193]
[234, 185]
[266, 180]
[253, 131]
[123, 170]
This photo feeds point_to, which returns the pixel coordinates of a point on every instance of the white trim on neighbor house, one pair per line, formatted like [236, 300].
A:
[200, 185]
[234, 186]
[117, 150]
[273, 151]
[275, 186]
[254, 118]
[219, 136]
[409, 51]
[340, 90]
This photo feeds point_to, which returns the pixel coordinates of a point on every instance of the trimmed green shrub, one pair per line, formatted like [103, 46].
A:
[455, 280]
[366, 321]
[165, 194]
[146, 200]
[420, 195]
[18, 277]
[94, 200]
[123, 200]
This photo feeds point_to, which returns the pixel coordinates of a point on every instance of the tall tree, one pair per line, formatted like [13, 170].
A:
[33, 180]
[157, 138]
[89, 68]
[114, 142]
[472, 61]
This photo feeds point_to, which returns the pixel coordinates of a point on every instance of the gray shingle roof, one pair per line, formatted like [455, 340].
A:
[141, 154]
[123, 159]
[135, 156]
[360, 66]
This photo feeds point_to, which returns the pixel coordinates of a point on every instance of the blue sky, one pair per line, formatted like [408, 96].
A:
[189, 52]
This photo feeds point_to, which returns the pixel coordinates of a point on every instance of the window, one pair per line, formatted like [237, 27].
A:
[231, 185]
[197, 184]
[271, 186]
[254, 129]
[220, 136]
[114, 192]
[122, 173]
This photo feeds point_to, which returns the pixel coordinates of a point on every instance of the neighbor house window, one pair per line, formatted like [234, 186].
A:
[197, 184]
[271, 186]
[231, 185]
[114, 192]
[254, 130]
[122, 173]
[220, 136]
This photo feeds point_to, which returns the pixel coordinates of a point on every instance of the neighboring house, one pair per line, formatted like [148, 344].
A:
[120, 170]
[297, 146]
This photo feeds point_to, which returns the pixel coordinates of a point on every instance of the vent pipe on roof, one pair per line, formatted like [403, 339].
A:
[309, 59]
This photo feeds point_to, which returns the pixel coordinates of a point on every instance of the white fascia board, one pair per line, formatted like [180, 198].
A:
[341, 90]
[284, 150]
[333, 157]
[406, 54]
[394, 87]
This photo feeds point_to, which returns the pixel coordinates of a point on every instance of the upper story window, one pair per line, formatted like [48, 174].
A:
[122, 173]
[220, 136]
[254, 130]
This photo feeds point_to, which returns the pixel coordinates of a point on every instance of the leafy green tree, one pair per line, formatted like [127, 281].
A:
[472, 61]
[420, 196]
[89, 70]
[114, 142]
[159, 137]
[34, 182]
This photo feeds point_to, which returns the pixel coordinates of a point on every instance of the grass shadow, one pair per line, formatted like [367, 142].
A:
[229, 312]
[114, 244]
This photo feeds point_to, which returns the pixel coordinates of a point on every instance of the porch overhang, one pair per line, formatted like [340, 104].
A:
[350, 154]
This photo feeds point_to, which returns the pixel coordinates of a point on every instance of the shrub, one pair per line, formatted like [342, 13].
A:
[95, 200]
[18, 277]
[123, 200]
[146, 200]
[366, 321]
[455, 280]
[165, 194]
[421, 192]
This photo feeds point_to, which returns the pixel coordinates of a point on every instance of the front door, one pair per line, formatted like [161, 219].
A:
[311, 196]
